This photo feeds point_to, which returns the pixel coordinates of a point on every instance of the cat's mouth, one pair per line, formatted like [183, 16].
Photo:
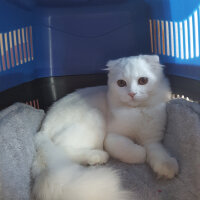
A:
[141, 97]
[138, 100]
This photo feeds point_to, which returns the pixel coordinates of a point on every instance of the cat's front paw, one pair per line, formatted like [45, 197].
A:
[137, 155]
[166, 168]
[98, 157]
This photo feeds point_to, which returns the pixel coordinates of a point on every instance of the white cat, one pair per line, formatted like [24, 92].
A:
[78, 127]
[137, 95]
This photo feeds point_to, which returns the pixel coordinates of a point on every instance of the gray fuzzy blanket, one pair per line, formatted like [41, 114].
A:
[20, 122]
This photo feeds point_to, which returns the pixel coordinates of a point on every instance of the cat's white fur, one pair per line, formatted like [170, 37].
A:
[135, 126]
[87, 125]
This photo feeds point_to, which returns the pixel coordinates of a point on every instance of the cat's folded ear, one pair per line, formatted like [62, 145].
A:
[151, 58]
[108, 65]
[111, 64]
[154, 60]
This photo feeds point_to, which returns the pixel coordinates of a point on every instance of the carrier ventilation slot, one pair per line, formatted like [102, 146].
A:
[16, 48]
[34, 103]
[176, 39]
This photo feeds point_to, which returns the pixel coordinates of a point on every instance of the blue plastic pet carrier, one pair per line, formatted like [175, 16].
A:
[50, 47]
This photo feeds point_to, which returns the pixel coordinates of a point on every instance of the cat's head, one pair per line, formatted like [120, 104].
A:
[137, 81]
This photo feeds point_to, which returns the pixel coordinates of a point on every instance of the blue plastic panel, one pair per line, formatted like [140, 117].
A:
[72, 37]
[26, 4]
[65, 39]
[75, 2]
[80, 40]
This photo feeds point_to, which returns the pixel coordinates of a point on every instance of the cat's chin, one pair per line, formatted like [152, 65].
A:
[135, 103]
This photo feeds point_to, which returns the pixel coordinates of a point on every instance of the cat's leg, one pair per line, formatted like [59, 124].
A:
[88, 156]
[124, 149]
[160, 161]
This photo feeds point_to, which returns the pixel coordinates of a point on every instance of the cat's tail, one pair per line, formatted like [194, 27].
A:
[57, 178]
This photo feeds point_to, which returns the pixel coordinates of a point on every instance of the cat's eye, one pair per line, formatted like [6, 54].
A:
[142, 80]
[121, 83]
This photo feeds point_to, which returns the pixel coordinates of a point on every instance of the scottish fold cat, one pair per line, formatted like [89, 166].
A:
[124, 120]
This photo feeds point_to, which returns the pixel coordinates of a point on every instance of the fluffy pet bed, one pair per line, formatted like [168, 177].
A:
[19, 123]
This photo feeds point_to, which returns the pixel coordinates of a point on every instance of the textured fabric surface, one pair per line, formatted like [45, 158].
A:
[182, 140]
[18, 124]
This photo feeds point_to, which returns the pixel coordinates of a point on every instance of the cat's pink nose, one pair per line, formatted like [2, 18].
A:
[131, 94]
